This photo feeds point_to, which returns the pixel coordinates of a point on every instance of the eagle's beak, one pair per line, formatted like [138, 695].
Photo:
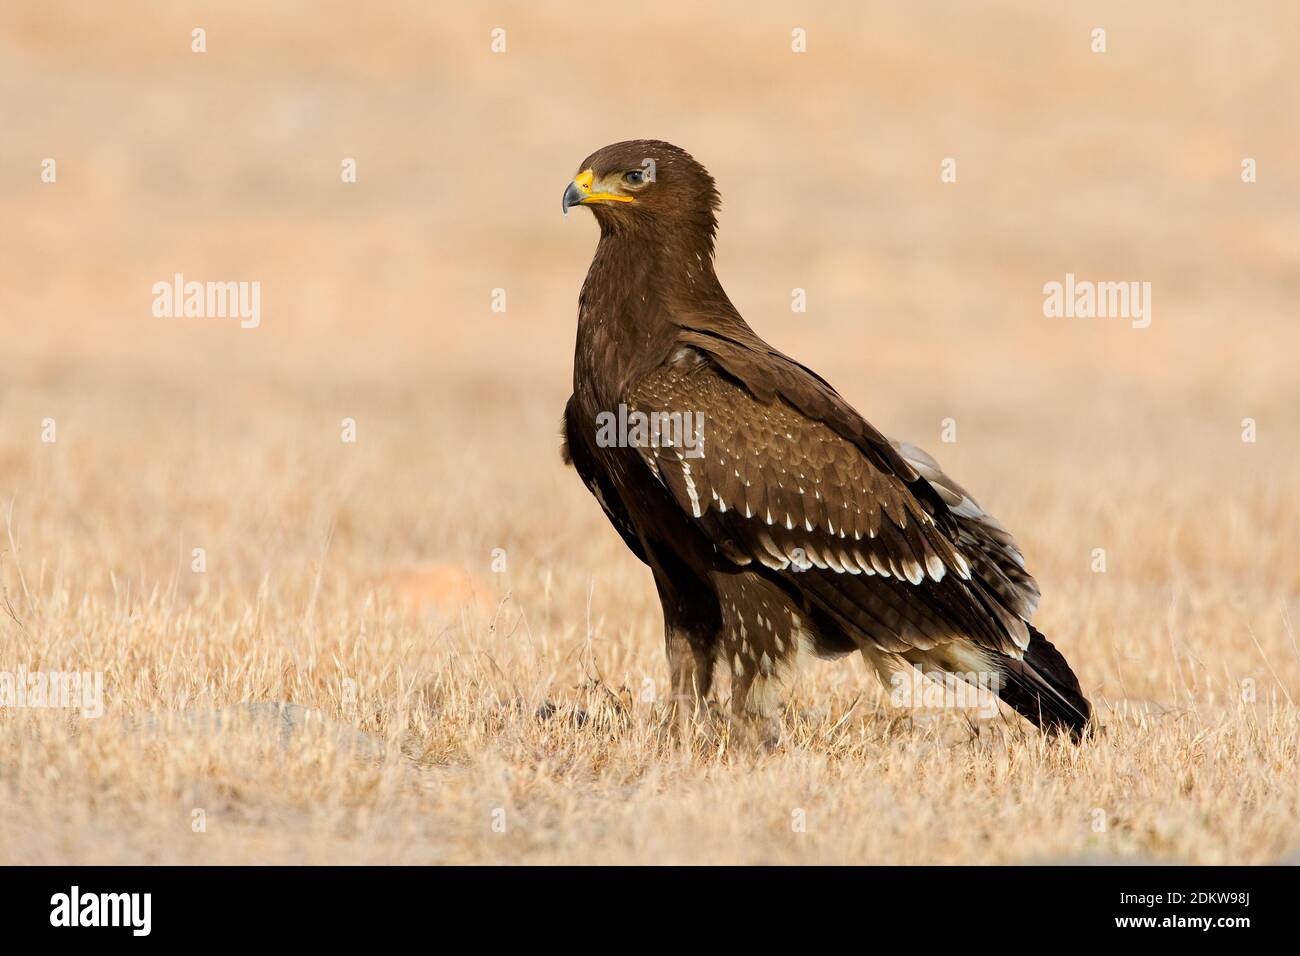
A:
[579, 192]
[573, 196]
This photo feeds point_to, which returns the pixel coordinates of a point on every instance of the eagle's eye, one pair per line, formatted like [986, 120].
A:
[634, 177]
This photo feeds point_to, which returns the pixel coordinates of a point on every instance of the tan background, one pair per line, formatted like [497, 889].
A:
[369, 563]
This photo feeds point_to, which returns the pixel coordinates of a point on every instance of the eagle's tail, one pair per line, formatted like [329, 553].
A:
[1042, 688]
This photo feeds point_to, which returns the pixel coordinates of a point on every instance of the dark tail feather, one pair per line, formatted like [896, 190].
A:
[1042, 688]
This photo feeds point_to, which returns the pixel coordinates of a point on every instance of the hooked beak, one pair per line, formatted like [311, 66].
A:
[578, 193]
[573, 196]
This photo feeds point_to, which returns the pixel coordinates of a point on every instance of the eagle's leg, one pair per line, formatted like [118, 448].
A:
[759, 641]
[690, 667]
[692, 621]
[755, 700]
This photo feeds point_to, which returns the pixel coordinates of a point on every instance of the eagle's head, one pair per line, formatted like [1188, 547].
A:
[645, 184]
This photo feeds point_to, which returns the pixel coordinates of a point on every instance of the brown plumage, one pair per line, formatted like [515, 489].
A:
[794, 524]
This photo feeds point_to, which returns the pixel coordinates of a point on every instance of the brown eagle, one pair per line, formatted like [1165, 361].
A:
[774, 518]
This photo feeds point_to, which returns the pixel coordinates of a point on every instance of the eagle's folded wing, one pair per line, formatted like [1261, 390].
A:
[771, 484]
[575, 451]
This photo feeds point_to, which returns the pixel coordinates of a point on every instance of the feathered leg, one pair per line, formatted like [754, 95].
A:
[692, 621]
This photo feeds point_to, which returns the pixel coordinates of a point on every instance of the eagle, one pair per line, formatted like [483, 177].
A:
[775, 520]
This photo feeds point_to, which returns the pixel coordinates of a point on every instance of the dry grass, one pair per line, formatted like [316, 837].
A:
[355, 580]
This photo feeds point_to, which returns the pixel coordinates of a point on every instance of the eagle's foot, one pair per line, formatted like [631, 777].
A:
[755, 731]
[691, 720]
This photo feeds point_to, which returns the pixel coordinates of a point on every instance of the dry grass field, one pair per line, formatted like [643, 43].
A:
[356, 673]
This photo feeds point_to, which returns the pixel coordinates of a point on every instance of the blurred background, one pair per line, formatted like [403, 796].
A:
[924, 298]
[226, 164]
